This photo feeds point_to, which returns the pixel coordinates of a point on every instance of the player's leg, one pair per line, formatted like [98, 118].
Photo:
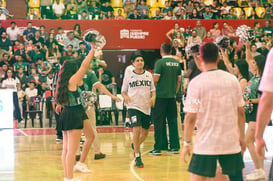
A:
[145, 122]
[64, 152]
[96, 144]
[202, 167]
[232, 165]
[89, 137]
[159, 117]
[259, 172]
[73, 142]
[172, 125]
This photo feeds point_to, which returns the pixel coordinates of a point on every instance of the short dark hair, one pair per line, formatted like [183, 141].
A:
[12, 23]
[209, 52]
[166, 47]
[136, 56]
[42, 26]
[60, 28]
[29, 22]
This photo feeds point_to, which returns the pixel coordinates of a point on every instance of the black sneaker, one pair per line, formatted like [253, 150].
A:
[78, 157]
[99, 156]
[127, 124]
[59, 139]
[138, 162]
[173, 151]
[155, 152]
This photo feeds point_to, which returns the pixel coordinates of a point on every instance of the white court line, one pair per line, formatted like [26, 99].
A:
[21, 131]
[132, 165]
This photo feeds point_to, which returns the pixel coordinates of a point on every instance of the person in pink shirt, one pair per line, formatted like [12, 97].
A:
[265, 108]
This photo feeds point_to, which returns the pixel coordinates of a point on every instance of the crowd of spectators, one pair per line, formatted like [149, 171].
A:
[140, 9]
[29, 64]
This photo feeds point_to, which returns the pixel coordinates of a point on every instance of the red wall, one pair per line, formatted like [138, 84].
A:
[156, 29]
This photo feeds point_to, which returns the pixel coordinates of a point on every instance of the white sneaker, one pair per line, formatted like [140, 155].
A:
[81, 167]
[256, 174]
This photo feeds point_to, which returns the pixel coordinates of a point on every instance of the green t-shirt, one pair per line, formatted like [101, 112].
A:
[169, 70]
[17, 66]
[268, 30]
[89, 80]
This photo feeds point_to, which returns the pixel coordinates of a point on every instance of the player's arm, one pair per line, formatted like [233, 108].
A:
[124, 90]
[198, 63]
[156, 78]
[241, 126]
[178, 83]
[264, 112]
[103, 89]
[226, 61]
[189, 124]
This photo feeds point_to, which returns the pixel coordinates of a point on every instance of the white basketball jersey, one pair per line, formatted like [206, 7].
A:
[139, 88]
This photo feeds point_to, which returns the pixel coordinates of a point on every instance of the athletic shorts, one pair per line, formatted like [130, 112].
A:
[72, 117]
[205, 165]
[138, 118]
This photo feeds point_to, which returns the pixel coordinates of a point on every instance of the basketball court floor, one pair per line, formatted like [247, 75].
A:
[34, 155]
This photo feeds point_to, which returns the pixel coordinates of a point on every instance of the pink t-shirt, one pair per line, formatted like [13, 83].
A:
[215, 96]
[267, 79]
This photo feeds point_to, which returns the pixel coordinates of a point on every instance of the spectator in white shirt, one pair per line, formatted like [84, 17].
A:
[58, 9]
[31, 91]
[13, 32]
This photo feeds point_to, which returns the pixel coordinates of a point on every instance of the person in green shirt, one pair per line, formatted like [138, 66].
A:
[267, 29]
[167, 78]
[19, 64]
[252, 98]
[90, 83]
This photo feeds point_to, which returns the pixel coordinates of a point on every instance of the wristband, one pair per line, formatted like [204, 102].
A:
[187, 143]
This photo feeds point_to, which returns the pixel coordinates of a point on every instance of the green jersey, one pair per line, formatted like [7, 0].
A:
[17, 65]
[75, 97]
[252, 88]
[169, 71]
[267, 30]
[89, 79]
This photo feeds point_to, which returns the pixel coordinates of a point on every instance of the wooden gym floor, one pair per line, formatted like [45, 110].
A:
[34, 155]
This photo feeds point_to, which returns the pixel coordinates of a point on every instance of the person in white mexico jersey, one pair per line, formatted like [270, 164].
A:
[138, 91]
[128, 70]
[214, 104]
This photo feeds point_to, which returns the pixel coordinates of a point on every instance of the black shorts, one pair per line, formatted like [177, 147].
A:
[138, 118]
[205, 165]
[72, 117]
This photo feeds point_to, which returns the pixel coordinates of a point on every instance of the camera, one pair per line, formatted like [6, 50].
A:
[192, 49]
[90, 37]
[222, 42]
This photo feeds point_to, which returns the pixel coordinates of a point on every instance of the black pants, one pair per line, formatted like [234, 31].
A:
[165, 108]
[59, 133]
[16, 110]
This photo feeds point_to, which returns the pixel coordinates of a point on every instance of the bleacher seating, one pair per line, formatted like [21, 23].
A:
[237, 11]
[4, 3]
[152, 3]
[116, 3]
[34, 3]
[260, 11]
[248, 11]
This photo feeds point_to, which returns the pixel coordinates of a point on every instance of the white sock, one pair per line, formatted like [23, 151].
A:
[69, 179]
[137, 154]
[127, 120]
